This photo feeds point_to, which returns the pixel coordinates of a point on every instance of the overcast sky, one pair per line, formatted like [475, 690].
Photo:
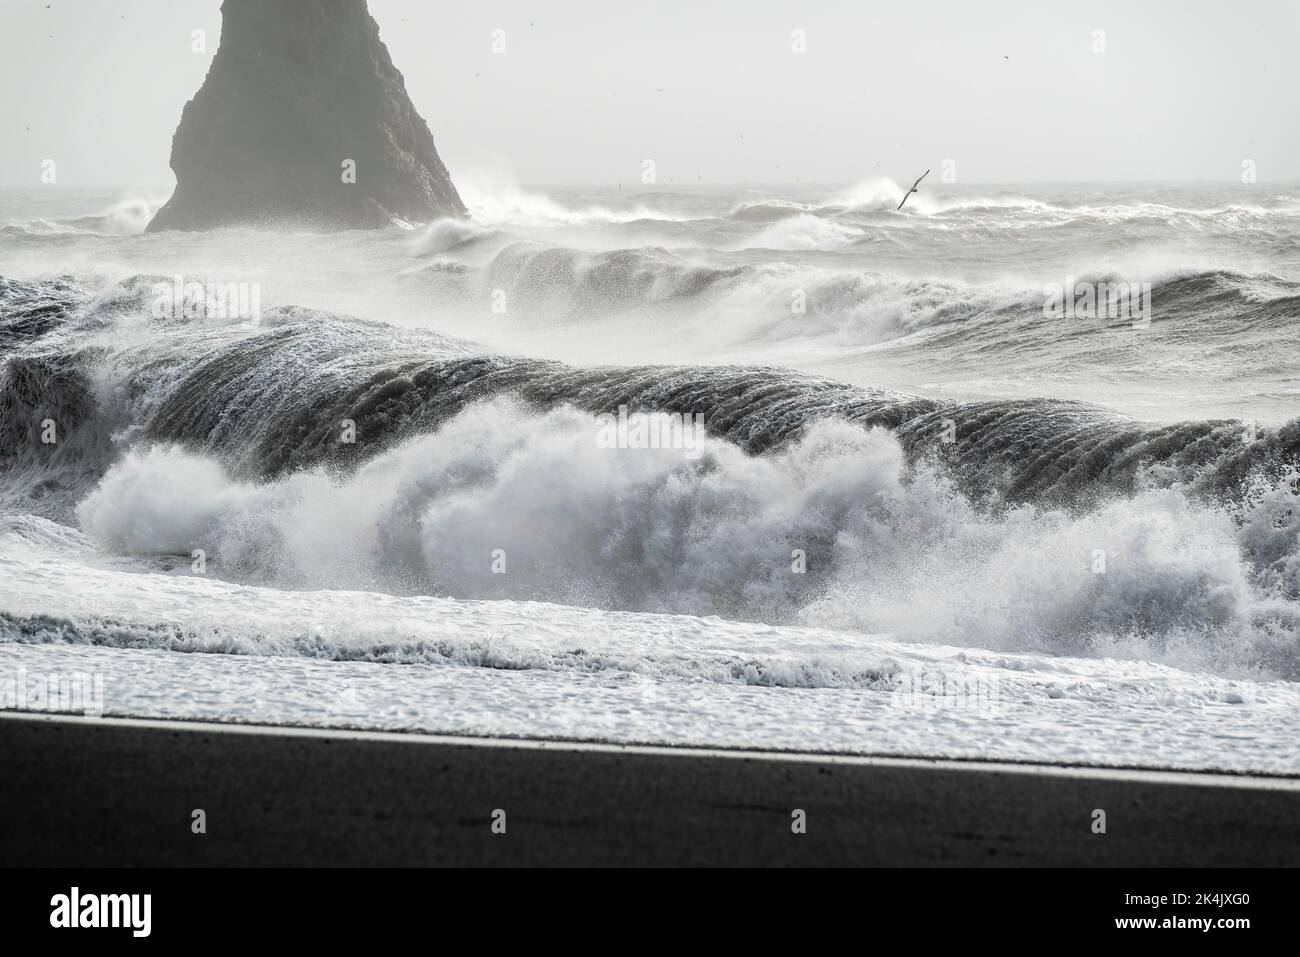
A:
[1008, 90]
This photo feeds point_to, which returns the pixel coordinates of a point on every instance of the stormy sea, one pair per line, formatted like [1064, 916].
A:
[777, 467]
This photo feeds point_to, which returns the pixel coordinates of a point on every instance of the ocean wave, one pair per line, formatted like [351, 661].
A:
[318, 644]
[881, 194]
[126, 217]
[804, 231]
[769, 210]
[554, 281]
[746, 300]
[314, 450]
[836, 529]
[271, 397]
[494, 200]
[752, 303]
[446, 235]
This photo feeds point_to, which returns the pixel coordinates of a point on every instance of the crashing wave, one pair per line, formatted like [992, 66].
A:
[314, 450]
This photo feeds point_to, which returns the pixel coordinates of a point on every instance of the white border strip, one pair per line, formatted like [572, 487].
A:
[1192, 778]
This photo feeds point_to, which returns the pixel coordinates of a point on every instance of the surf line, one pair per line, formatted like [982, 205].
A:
[656, 430]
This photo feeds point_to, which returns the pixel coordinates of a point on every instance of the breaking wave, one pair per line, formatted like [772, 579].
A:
[269, 398]
[1033, 524]
[836, 529]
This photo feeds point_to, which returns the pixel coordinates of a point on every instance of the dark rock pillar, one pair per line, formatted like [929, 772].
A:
[299, 91]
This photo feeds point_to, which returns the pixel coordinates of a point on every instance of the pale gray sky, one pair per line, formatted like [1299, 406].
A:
[1184, 90]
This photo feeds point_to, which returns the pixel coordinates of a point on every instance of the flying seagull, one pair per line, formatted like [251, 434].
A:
[913, 189]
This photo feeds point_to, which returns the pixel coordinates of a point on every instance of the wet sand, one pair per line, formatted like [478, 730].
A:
[111, 792]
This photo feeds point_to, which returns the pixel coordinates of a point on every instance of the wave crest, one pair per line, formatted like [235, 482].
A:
[836, 529]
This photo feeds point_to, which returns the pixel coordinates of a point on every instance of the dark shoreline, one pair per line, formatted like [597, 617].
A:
[116, 792]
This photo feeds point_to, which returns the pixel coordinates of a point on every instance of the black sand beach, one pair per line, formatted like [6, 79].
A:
[81, 792]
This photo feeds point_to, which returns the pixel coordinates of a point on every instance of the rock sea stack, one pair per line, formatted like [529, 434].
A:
[303, 122]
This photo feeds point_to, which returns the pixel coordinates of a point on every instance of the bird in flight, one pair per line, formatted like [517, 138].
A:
[913, 189]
